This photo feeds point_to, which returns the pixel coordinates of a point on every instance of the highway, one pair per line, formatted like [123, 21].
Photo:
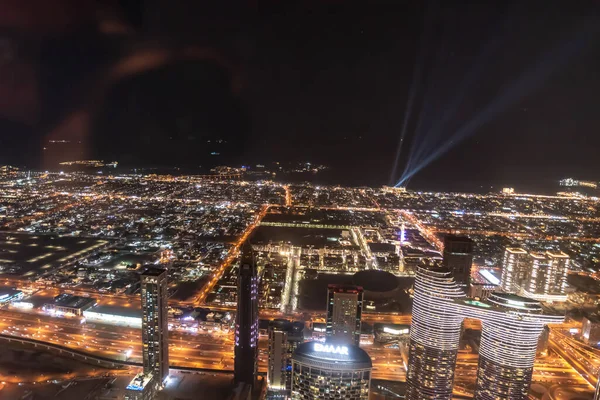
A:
[584, 359]
[546, 369]
[214, 351]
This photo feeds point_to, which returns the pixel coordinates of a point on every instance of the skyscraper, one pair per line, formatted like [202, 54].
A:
[547, 279]
[458, 258]
[155, 331]
[246, 320]
[540, 276]
[284, 337]
[505, 366]
[434, 335]
[330, 371]
[514, 265]
[344, 313]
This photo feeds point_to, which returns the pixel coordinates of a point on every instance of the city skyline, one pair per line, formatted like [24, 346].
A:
[299, 200]
[74, 247]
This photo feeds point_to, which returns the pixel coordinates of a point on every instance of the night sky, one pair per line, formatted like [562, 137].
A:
[168, 82]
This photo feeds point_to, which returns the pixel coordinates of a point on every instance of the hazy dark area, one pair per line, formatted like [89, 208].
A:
[165, 83]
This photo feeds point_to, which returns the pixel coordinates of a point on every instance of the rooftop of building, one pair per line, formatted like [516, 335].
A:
[132, 312]
[557, 254]
[333, 355]
[139, 382]
[457, 239]
[68, 300]
[510, 300]
[517, 250]
[6, 293]
[153, 272]
[515, 305]
[344, 288]
[539, 256]
[286, 324]
[436, 269]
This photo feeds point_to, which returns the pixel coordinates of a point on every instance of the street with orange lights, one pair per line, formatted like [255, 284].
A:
[231, 257]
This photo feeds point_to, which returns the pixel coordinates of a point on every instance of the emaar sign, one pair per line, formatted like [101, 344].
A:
[327, 348]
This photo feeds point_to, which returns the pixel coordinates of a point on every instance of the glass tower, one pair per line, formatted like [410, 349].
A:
[458, 258]
[246, 320]
[155, 330]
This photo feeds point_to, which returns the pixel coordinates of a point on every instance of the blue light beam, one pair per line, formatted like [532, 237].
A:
[413, 88]
[433, 135]
[552, 61]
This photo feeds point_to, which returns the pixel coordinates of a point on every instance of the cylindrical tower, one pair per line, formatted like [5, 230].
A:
[434, 334]
[330, 371]
[511, 326]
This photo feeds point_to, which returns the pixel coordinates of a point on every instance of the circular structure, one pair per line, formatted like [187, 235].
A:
[375, 281]
[330, 370]
[377, 285]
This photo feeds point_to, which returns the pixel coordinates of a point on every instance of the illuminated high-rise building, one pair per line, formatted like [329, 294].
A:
[284, 337]
[434, 334]
[155, 330]
[246, 320]
[511, 326]
[540, 276]
[458, 258]
[330, 371]
[344, 313]
[547, 278]
[514, 265]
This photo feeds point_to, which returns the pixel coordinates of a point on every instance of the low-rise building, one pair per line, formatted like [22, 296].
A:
[70, 305]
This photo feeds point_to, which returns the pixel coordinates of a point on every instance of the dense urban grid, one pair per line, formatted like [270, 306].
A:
[299, 291]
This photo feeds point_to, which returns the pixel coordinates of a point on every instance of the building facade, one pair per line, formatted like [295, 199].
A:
[458, 258]
[344, 313]
[246, 322]
[540, 276]
[505, 366]
[284, 338]
[514, 265]
[330, 371]
[155, 330]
